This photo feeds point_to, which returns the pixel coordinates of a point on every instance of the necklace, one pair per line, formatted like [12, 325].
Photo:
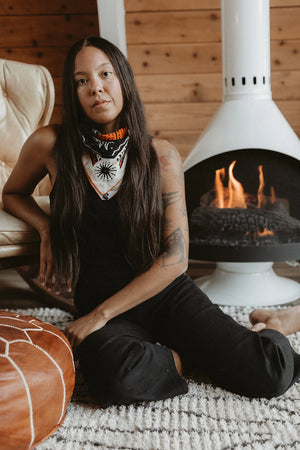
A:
[104, 160]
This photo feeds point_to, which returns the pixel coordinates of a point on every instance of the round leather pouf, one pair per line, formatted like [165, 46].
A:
[36, 380]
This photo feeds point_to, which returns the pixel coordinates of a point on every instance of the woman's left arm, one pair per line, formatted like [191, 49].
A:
[168, 266]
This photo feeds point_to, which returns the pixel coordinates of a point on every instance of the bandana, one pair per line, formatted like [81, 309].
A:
[104, 160]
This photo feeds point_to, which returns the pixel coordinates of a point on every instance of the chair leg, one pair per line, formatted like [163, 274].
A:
[30, 276]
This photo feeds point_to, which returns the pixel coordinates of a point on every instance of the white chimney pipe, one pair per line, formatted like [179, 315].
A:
[111, 16]
[248, 117]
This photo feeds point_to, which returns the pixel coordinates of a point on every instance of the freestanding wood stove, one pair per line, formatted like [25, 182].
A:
[243, 175]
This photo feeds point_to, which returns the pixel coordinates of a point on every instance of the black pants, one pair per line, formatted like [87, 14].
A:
[130, 360]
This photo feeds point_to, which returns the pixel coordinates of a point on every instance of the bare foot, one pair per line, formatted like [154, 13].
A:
[177, 362]
[287, 320]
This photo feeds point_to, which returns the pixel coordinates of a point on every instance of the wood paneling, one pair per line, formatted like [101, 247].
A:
[207, 87]
[40, 7]
[199, 26]
[174, 5]
[191, 116]
[172, 58]
[203, 58]
[50, 57]
[173, 27]
[47, 31]
[167, 5]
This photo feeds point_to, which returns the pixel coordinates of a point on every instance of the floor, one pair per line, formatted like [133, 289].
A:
[14, 292]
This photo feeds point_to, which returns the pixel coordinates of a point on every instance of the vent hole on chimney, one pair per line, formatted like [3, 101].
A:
[264, 80]
[233, 81]
[225, 81]
[243, 81]
[254, 80]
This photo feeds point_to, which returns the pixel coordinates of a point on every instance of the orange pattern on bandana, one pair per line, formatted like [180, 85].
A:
[114, 136]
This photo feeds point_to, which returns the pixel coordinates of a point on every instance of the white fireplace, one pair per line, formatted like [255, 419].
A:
[248, 124]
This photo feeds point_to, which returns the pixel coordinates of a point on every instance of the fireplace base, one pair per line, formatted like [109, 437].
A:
[253, 284]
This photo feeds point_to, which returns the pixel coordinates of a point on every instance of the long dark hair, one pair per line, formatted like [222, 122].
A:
[139, 197]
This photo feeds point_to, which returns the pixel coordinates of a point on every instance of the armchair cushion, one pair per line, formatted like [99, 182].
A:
[26, 103]
[17, 237]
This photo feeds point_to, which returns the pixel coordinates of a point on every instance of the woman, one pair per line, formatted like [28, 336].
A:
[119, 226]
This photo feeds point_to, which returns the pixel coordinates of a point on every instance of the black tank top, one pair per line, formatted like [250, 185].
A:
[104, 269]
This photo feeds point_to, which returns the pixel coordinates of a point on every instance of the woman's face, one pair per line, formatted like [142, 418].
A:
[98, 88]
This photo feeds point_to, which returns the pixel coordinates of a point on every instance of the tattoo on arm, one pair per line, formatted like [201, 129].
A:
[169, 199]
[167, 165]
[176, 249]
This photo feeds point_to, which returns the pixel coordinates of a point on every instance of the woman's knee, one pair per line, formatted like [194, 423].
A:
[272, 371]
[113, 368]
[278, 371]
[127, 369]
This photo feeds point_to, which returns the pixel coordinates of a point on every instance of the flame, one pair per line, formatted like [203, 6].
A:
[234, 196]
[273, 196]
[220, 175]
[259, 233]
[236, 191]
[260, 187]
[265, 232]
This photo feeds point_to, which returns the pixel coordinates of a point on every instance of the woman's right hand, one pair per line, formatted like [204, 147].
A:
[47, 275]
[46, 265]
[36, 160]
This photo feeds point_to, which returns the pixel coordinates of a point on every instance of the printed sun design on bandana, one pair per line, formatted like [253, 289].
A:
[104, 160]
[105, 171]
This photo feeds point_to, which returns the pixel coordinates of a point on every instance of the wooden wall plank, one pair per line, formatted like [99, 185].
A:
[56, 115]
[284, 23]
[173, 26]
[285, 55]
[193, 116]
[165, 5]
[52, 58]
[40, 7]
[283, 3]
[199, 26]
[175, 58]
[201, 87]
[58, 90]
[285, 85]
[46, 31]
[169, 88]
[204, 57]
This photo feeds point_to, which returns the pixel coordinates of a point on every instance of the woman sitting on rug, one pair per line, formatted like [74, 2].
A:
[118, 224]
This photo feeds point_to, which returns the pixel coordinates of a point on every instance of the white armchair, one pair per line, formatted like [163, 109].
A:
[26, 103]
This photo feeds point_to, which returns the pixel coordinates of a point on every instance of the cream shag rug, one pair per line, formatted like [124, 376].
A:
[207, 418]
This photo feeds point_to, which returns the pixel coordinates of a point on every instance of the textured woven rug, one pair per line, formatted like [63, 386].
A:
[206, 418]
